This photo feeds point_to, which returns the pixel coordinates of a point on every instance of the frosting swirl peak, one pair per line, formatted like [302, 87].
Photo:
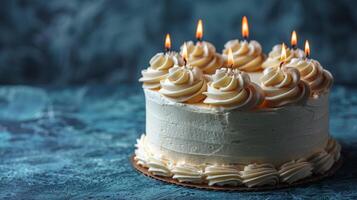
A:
[273, 59]
[158, 69]
[283, 86]
[184, 84]
[311, 71]
[231, 88]
[247, 56]
[259, 175]
[204, 56]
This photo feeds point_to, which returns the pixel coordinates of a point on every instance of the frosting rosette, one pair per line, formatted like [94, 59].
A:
[158, 69]
[282, 86]
[184, 84]
[312, 72]
[273, 59]
[204, 56]
[222, 175]
[295, 170]
[158, 167]
[187, 173]
[322, 161]
[230, 88]
[247, 56]
[259, 174]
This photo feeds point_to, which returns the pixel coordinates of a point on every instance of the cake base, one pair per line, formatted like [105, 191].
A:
[302, 182]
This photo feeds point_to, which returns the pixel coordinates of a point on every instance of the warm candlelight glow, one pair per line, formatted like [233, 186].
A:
[199, 30]
[184, 53]
[245, 28]
[230, 58]
[167, 43]
[307, 49]
[294, 39]
[283, 53]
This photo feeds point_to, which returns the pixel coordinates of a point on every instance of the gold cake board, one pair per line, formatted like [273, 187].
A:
[302, 182]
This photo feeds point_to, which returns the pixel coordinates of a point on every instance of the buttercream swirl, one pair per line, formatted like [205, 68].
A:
[295, 170]
[158, 166]
[260, 174]
[187, 173]
[222, 175]
[322, 161]
[273, 59]
[142, 152]
[231, 88]
[283, 86]
[204, 56]
[158, 69]
[311, 71]
[247, 56]
[334, 149]
[184, 84]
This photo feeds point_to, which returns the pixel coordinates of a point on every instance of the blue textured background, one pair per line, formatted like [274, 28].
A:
[95, 41]
[73, 142]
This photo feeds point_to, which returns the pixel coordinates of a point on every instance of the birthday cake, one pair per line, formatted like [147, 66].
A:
[239, 118]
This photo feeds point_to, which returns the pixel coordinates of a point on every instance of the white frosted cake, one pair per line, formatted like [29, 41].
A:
[255, 122]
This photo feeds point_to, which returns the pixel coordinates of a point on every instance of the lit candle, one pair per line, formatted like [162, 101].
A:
[245, 28]
[230, 59]
[199, 31]
[184, 53]
[307, 49]
[167, 43]
[282, 55]
[294, 40]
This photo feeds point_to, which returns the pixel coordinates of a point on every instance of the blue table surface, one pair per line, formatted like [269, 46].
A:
[75, 143]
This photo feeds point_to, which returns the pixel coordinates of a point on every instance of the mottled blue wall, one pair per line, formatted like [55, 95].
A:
[108, 41]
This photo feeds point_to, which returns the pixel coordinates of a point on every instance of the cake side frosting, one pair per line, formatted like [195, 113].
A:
[200, 134]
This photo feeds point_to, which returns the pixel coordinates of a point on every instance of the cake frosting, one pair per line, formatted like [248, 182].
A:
[247, 56]
[273, 59]
[204, 56]
[260, 174]
[223, 175]
[233, 89]
[259, 122]
[311, 71]
[158, 69]
[295, 170]
[282, 86]
[184, 84]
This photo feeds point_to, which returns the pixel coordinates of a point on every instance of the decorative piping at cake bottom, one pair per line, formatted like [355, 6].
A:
[252, 175]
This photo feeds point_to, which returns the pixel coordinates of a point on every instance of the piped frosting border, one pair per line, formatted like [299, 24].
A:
[252, 175]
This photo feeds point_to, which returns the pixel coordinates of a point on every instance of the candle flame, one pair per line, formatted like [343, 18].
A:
[294, 39]
[245, 28]
[307, 48]
[283, 53]
[184, 53]
[167, 42]
[230, 58]
[199, 30]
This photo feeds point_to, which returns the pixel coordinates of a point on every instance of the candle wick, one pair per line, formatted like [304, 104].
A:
[199, 40]
[281, 64]
[185, 61]
[245, 38]
[167, 50]
[294, 47]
